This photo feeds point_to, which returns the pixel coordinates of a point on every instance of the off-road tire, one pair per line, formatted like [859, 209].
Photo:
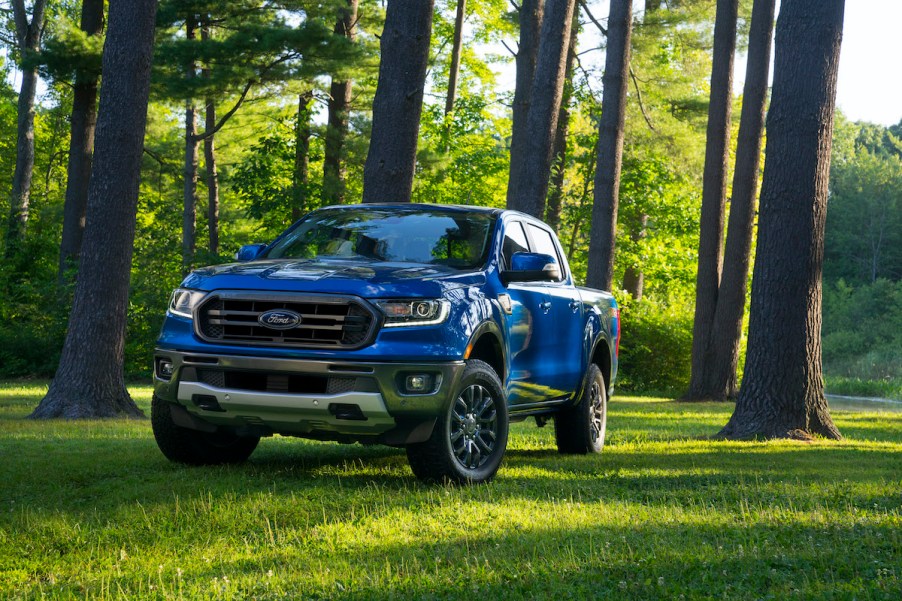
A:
[193, 447]
[580, 429]
[470, 437]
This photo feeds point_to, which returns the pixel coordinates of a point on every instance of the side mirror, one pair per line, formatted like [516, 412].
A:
[531, 267]
[249, 252]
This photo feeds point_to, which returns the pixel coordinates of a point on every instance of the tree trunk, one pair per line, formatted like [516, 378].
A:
[727, 329]
[783, 387]
[390, 163]
[528, 182]
[81, 147]
[212, 175]
[454, 70]
[714, 190]
[334, 170]
[210, 157]
[301, 157]
[189, 211]
[559, 160]
[28, 38]
[602, 238]
[633, 276]
[90, 381]
[531, 12]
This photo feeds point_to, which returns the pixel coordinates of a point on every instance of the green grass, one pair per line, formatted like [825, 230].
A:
[93, 509]
[890, 388]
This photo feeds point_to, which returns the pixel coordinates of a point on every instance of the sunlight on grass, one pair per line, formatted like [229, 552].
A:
[91, 508]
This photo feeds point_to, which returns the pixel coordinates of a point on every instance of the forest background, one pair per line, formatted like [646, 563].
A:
[278, 63]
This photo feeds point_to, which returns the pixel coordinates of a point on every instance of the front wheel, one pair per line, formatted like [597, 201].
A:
[580, 429]
[193, 447]
[469, 439]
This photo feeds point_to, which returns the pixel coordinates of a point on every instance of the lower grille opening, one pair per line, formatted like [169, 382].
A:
[280, 382]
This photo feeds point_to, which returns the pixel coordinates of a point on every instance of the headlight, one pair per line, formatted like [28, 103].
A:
[183, 301]
[417, 312]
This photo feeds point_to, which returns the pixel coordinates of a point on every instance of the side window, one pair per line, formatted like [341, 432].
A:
[544, 244]
[514, 242]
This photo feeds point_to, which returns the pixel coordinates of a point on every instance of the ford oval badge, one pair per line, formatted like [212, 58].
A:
[279, 319]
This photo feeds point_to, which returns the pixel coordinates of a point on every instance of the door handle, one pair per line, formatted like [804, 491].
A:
[575, 305]
[545, 306]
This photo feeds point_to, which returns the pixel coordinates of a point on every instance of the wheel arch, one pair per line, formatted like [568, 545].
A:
[486, 345]
[601, 356]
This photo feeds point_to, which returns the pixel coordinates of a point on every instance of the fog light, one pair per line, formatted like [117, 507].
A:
[165, 369]
[418, 383]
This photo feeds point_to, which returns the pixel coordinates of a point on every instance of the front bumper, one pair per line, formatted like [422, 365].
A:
[338, 400]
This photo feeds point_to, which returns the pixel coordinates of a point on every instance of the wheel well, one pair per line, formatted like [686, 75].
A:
[601, 357]
[487, 348]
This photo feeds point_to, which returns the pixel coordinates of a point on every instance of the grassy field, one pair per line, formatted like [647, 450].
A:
[93, 509]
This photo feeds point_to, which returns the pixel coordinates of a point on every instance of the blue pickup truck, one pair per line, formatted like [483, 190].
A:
[428, 327]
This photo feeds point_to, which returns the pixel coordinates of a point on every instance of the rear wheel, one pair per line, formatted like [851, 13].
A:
[469, 439]
[194, 447]
[581, 429]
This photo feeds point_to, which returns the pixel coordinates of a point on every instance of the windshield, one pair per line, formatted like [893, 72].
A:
[456, 239]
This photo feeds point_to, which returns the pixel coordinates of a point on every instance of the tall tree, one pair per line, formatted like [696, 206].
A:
[600, 271]
[390, 162]
[90, 381]
[189, 195]
[714, 191]
[559, 160]
[300, 181]
[81, 145]
[456, 46]
[212, 175]
[28, 39]
[782, 391]
[334, 169]
[529, 175]
[726, 334]
[530, 18]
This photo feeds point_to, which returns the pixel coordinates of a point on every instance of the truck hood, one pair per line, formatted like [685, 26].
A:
[371, 279]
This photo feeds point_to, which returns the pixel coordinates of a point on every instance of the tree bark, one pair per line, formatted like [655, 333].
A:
[189, 201]
[301, 157]
[28, 38]
[726, 333]
[391, 160]
[602, 238]
[456, 45]
[559, 160]
[528, 182]
[714, 190]
[212, 176]
[334, 170]
[90, 381]
[531, 13]
[81, 147]
[782, 392]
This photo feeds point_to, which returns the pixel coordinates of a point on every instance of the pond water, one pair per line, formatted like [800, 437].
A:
[860, 403]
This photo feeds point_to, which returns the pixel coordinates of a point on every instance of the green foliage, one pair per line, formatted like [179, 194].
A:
[264, 181]
[462, 157]
[655, 346]
[69, 51]
[862, 333]
[92, 509]
[864, 217]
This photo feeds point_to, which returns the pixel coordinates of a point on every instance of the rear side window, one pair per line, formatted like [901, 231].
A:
[544, 243]
[514, 242]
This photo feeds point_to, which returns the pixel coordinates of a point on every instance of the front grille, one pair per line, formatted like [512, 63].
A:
[326, 322]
